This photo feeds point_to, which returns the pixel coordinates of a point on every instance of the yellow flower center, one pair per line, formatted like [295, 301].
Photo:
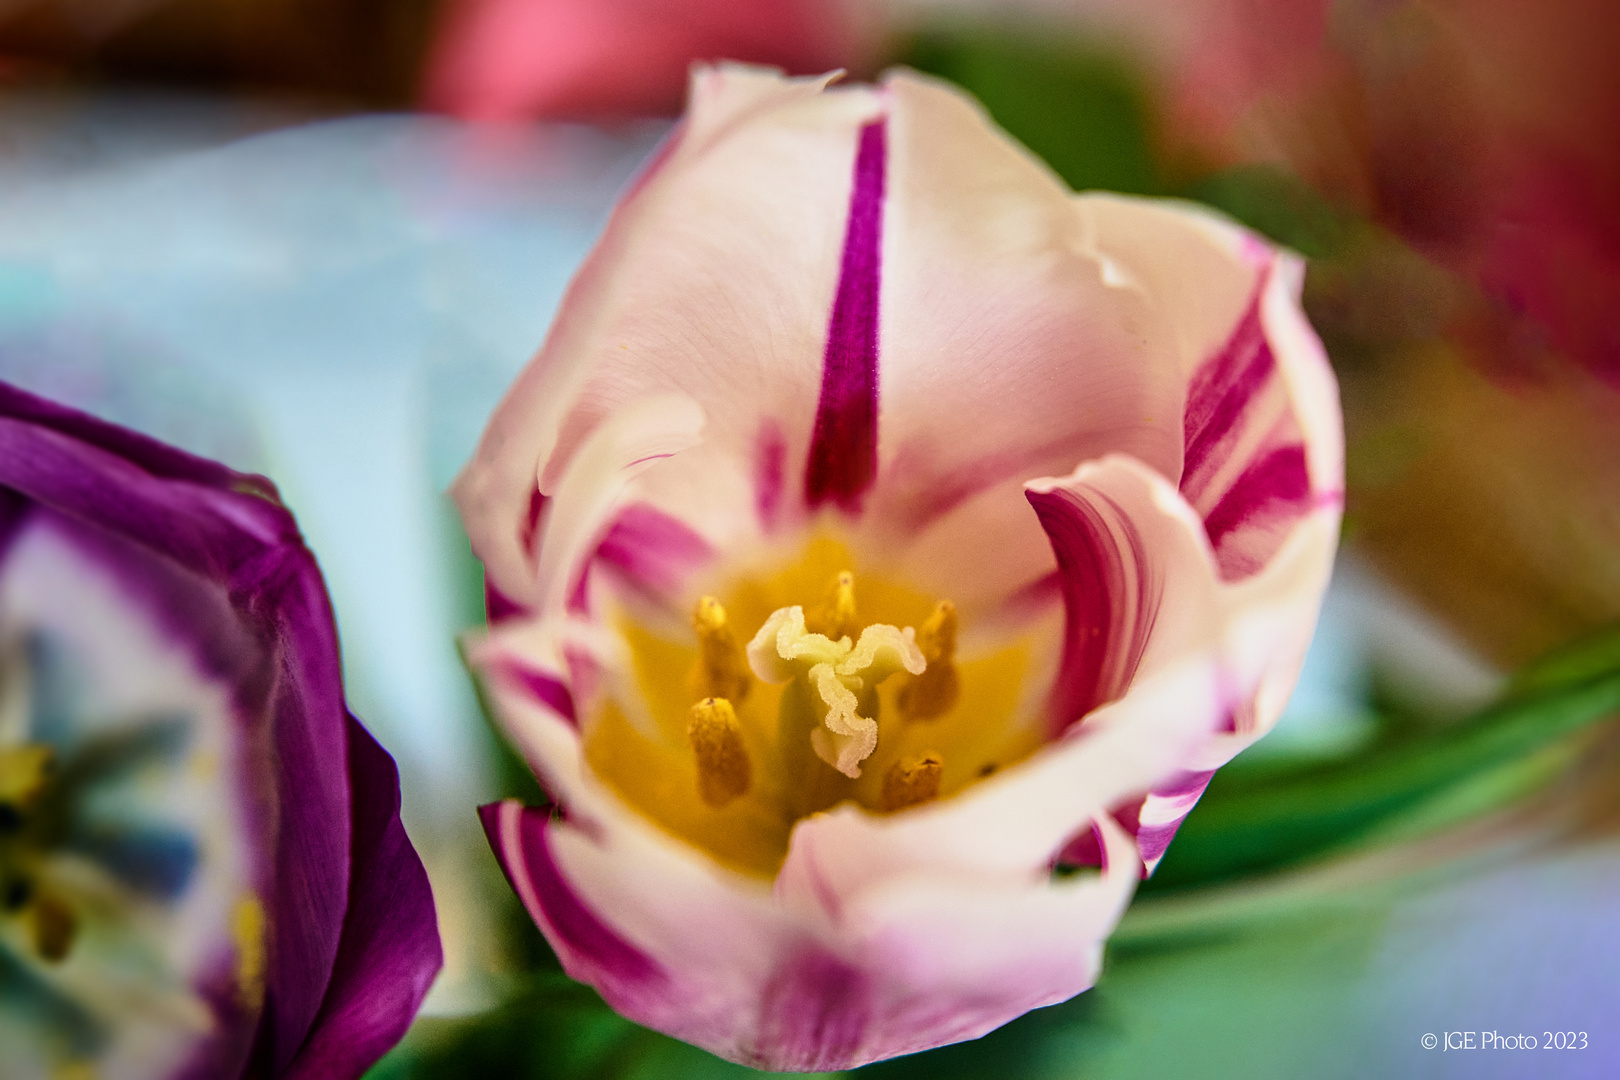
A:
[798, 689]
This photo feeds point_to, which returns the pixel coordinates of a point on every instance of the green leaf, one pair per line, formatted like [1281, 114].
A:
[1591, 657]
[1280, 206]
[1252, 821]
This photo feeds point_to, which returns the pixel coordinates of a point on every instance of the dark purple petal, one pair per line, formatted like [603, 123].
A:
[312, 850]
[843, 447]
[252, 548]
[1111, 592]
[147, 453]
[209, 530]
[13, 511]
[390, 952]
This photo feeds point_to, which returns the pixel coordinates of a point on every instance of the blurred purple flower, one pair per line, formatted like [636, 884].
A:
[202, 867]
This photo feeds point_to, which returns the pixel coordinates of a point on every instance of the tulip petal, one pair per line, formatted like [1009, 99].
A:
[759, 177]
[1266, 620]
[992, 284]
[1263, 441]
[844, 445]
[390, 948]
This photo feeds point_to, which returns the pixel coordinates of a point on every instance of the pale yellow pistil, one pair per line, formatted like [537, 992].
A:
[835, 616]
[829, 667]
[724, 772]
[832, 696]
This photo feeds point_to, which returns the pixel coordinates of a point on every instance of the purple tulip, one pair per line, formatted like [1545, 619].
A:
[202, 867]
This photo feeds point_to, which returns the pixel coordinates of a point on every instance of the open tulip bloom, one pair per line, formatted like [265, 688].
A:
[202, 868]
[883, 551]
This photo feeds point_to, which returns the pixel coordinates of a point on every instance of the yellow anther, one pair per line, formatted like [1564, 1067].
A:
[912, 782]
[835, 616]
[933, 693]
[723, 769]
[248, 930]
[55, 927]
[24, 771]
[721, 670]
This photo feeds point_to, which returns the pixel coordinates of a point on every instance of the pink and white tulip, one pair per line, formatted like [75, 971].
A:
[857, 328]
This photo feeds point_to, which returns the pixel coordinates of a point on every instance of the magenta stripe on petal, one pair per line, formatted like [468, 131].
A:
[531, 520]
[843, 447]
[1110, 599]
[770, 457]
[1280, 476]
[1220, 390]
[1085, 848]
[652, 549]
[814, 1013]
[547, 689]
[1154, 840]
[498, 607]
[589, 947]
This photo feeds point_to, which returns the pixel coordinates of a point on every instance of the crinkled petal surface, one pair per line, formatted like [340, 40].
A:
[1096, 421]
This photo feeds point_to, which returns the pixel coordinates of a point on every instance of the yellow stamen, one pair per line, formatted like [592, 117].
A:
[55, 927]
[24, 771]
[724, 773]
[721, 671]
[247, 928]
[933, 693]
[912, 782]
[835, 617]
